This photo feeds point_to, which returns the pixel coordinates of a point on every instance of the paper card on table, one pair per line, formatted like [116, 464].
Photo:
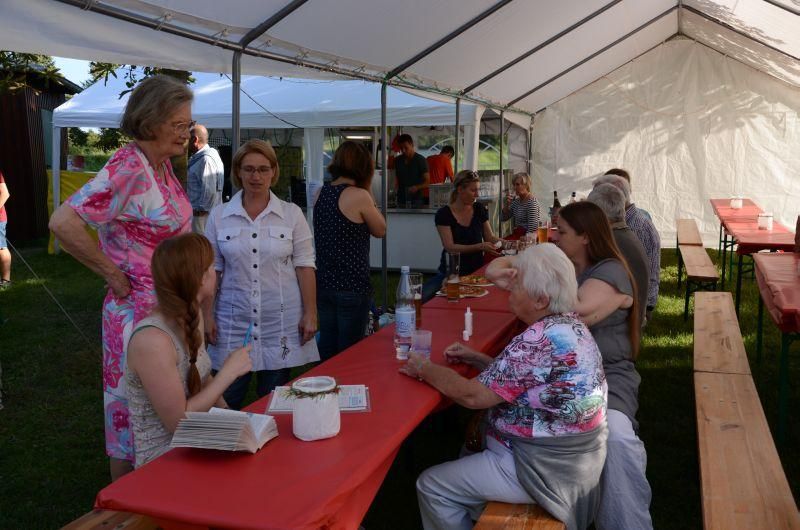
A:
[352, 398]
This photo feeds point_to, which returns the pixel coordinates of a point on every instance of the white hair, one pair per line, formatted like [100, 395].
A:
[621, 184]
[545, 270]
[610, 199]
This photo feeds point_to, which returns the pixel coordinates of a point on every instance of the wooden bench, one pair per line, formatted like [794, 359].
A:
[701, 274]
[742, 481]
[111, 520]
[718, 345]
[501, 515]
[687, 234]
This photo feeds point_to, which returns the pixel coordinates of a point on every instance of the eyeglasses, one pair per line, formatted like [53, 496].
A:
[250, 170]
[182, 127]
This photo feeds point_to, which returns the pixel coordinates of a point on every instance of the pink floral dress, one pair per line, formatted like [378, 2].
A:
[132, 211]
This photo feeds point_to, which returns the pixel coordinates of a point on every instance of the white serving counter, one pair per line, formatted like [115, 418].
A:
[412, 239]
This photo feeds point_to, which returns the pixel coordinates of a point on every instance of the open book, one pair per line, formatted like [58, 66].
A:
[226, 430]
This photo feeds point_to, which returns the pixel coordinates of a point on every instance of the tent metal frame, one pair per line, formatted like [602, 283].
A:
[447, 38]
[739, 32]
[544, 44]
[595, 54]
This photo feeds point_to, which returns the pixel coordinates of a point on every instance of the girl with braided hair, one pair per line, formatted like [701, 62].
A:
[169, 369]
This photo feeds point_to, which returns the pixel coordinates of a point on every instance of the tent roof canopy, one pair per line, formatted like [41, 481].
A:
[506, 54]
[270, 103]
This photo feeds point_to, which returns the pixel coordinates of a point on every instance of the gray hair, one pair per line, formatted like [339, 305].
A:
[622, 184]
[610, 199]
[151, 102]
[546, 271]
[524, 177]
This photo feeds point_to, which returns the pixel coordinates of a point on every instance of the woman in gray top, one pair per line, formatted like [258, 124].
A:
[608, 303]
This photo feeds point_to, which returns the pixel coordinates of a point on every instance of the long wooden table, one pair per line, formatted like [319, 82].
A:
[294, 484]
[742, 227]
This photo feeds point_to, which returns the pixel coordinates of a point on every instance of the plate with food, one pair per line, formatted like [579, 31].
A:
[475, 280]
[467, 291]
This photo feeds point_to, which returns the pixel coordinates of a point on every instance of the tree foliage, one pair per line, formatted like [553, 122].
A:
[16, 69]
[133, 73]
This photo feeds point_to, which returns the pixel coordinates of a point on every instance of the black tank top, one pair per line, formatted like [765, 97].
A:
[342, 246]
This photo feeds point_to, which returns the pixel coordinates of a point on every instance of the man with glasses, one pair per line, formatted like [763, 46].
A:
[205, 178]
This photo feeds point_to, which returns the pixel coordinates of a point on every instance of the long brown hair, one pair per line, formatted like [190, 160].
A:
[178, 266]
[587, 218]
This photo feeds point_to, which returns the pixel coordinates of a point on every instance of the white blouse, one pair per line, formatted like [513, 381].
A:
[257, 259]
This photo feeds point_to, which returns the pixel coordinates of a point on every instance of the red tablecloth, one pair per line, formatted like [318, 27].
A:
[779, 285]
[294, 484]
[722, 209]
[742, 224]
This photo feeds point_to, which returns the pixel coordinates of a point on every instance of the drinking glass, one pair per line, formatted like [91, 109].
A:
[525, 241]
[421, 342]
[453, 267]
[415, 281]
[543, 232]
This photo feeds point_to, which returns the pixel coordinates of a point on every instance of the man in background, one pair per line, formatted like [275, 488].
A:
[641, 224]
[205, 178]
[611, 200]
[5, 255]
[440, 167]
[411, 173]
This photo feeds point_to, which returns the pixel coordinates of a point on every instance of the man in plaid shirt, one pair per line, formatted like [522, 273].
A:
[642, 225]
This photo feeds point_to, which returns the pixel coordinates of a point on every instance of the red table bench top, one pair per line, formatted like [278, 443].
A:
[779, 285]
[294, 484]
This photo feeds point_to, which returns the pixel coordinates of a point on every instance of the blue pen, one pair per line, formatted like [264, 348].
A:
[247, 335]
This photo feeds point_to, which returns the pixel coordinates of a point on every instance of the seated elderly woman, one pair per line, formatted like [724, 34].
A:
[546, 394]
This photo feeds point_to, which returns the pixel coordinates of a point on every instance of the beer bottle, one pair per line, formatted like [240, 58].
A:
[555, 209]
[573, 198]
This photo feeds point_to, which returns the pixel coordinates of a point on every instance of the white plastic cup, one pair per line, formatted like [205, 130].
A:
[421, 342]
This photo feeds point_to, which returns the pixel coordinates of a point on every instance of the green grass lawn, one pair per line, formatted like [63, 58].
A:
[52, 461]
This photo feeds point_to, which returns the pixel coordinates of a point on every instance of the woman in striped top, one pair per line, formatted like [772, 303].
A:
[523, 208]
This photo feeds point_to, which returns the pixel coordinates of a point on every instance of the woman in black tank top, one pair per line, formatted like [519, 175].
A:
[345, 216]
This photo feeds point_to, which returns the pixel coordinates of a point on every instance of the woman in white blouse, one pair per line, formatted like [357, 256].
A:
[264, 257]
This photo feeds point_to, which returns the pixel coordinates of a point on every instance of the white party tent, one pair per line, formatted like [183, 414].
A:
[279, 103]
[270, 103]
[699, 120]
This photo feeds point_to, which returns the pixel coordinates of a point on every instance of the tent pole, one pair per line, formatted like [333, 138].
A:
[458, 135]
[530, 147]
[384, 196]
[235, 110]
[500, 180]
[55, 174]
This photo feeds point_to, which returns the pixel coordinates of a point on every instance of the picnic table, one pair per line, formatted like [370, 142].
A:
[294, 484]
[742, 226]
[779, 289]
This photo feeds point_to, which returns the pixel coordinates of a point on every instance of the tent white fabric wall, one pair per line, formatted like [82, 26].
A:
[689, 124]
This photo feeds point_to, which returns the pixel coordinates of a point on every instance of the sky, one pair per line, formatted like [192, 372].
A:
[75, 70]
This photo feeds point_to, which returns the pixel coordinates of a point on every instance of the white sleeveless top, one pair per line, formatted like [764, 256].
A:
[150, 438]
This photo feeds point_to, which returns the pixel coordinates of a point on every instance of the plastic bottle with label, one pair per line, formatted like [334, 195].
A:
[405, 315]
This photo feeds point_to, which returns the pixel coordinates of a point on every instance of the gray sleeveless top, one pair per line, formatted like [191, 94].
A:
[150, 438]
[611, 335]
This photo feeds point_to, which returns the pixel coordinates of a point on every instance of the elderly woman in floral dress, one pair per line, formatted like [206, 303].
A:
[134, 203]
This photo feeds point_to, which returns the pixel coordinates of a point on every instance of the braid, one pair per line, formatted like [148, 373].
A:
[178, 266]
[191, 334]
